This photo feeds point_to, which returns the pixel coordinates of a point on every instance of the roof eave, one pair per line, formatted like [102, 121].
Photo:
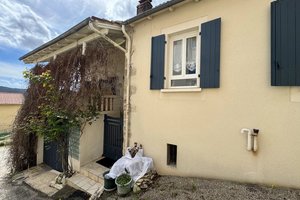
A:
[74, 29]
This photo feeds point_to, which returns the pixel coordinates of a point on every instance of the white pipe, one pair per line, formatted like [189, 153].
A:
[249, 138]
[127, 103]
[83, 48]
[255, 144]
[105, 37]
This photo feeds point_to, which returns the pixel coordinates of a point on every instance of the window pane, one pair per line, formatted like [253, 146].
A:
[184, 82]
[191, 55]
[177, 60]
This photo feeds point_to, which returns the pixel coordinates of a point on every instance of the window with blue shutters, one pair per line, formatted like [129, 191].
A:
[193, 58]
[285, 43]
[183, 60]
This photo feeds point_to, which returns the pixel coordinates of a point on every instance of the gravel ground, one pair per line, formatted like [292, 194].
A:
[14, 191]
[168, 187]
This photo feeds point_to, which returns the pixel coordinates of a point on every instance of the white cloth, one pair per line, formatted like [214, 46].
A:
[137, 166]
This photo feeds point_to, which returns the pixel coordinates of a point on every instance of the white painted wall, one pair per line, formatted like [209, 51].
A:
[91, 141]
[40, 151]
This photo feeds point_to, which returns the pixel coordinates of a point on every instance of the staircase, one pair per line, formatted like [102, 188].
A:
[90, 178]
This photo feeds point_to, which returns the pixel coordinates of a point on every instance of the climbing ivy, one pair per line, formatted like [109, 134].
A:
[63, 94]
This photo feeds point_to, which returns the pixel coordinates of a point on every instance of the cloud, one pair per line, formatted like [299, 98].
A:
[21, 27]
[13, 82]
[26, 24]
[10, 70]
[123, 10]
[11, 75]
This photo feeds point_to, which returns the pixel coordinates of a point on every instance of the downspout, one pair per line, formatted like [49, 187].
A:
[128, 65]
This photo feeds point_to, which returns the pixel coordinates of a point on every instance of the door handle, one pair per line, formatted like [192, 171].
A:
[277, 65]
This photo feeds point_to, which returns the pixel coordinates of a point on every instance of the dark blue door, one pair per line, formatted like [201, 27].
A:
[51, 156]
[113, 137]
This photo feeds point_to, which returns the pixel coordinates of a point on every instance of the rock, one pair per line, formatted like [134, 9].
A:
[136, 189]
[63, 181]
[138, 184]
[144, 186]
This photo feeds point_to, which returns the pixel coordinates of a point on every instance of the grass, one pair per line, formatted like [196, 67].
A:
[3, 134]
[123, 179]
[4, 138]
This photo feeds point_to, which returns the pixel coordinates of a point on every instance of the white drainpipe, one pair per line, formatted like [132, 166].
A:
[252, 143]
[249, 140]
[128, 65]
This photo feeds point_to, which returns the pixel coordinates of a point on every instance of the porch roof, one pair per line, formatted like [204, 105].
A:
[77, 35]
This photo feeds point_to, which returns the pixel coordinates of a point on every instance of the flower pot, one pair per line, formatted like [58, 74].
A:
[109, 183]
[125, 187]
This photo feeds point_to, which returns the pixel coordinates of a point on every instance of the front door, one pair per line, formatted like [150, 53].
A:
[113, 137]
[51, 156]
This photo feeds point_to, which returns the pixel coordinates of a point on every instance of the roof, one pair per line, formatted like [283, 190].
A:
[153, 11]
[11, 98]
[74, 34]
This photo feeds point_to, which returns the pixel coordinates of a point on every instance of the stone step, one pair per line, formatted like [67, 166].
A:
[85, 184]
[94, 171]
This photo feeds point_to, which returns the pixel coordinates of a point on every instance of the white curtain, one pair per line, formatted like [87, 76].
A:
[191, 55]
[177, 57]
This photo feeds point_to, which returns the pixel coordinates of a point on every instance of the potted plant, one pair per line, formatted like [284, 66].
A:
[123, 183]
[109, 183]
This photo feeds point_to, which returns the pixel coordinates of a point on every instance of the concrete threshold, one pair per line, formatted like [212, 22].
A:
[89, 180]
[40, 178]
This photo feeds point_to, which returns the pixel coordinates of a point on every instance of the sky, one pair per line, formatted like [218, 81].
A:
[27, 24]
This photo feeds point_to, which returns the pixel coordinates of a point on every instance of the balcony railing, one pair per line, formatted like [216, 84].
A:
[110, 103]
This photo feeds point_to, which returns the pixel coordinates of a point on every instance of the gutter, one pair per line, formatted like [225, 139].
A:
[71, 31]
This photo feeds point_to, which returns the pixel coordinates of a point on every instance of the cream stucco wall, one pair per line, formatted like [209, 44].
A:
[91, 141]
[40, 150]
[7, 115]
[206, 125]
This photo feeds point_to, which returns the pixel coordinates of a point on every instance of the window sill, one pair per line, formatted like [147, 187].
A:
[180, 90]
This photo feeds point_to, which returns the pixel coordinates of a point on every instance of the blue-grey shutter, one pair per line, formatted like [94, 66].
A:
[285, 68]
[210, 54]
[297, 43]
[157, 62]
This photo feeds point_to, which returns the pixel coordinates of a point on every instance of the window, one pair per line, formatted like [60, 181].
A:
[183, 60]
[181, 68]
[171, 154]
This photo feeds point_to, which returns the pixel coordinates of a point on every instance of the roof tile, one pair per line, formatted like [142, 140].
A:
[11, 98]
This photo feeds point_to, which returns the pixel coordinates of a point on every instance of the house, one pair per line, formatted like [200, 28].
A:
[10, 103]
[200, 76]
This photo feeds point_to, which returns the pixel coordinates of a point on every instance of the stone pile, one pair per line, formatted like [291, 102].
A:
[145, 182]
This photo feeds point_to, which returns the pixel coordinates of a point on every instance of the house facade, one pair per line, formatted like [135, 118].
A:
[210, 87]
[10, 104]
[188, 106]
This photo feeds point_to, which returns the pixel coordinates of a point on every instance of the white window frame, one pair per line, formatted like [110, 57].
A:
[183, 36]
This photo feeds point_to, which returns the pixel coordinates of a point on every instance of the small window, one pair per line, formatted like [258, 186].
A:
[171, 154]
[184, 60]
